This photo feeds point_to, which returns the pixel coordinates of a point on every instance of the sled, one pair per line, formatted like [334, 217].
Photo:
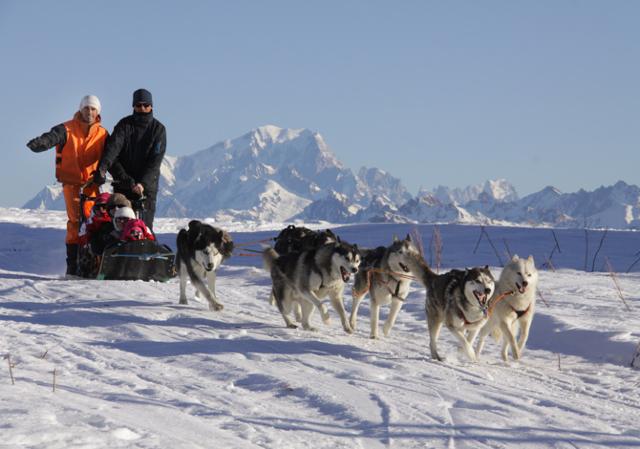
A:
[144, 260]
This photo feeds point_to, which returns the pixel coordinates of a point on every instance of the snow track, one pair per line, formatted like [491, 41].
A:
[135, 369]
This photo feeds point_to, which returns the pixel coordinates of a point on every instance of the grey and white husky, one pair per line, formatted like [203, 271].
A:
[385, 275]
[200, 251]
[512, 305]
[459, 299]
[305, 278]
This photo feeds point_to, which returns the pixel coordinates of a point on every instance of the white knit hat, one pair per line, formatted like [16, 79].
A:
[125, 212]
[90, 100]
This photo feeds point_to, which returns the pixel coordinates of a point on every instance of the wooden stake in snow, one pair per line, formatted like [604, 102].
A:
[542, 298]
[593, 264]
[8, 357]
[615, 281]
[635, 362]
[586, 248]
[54, 380]
[559, 365]
[484, 232]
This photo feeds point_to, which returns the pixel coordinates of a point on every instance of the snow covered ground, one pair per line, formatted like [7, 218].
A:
[135, 369]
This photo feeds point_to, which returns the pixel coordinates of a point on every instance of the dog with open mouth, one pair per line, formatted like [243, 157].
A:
[201, 249]
[512, 306]
[458, 299]
[300, 280]
[386, 274]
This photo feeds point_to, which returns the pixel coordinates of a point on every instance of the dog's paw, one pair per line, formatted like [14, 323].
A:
[326, 319]
[348, 329]
[217, 307]
[292, 326]
[386, 330]
[183, 301]
[373, 337]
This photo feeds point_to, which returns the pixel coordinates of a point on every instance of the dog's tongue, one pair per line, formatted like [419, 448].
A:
[521, 288]
[345, 274]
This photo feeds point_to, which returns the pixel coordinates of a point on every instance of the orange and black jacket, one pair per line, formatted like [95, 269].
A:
[77, 155]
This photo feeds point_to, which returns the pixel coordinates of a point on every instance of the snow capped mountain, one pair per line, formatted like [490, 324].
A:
[381, 184]
[499, 190]
[429, 209]
[277, 174]
[335, 208]
[50, 198]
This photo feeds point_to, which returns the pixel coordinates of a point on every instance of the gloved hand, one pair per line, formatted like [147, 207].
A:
[36, 145]
[99, 177]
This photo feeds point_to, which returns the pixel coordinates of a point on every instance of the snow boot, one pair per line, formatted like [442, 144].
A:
[72, 259]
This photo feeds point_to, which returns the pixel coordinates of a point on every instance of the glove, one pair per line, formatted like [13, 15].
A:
[99, 177]
[36, 145]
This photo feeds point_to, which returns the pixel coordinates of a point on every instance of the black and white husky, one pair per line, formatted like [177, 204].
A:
[459, 299]
[200, 251]
[386, 275]
[304, 278]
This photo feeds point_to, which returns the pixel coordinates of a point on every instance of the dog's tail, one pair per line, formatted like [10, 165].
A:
[269, 256]
[420, 268]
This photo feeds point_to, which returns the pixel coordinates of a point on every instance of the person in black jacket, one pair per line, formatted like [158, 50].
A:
[133, 154]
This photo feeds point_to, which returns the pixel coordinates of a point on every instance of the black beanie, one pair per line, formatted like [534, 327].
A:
[142, 96]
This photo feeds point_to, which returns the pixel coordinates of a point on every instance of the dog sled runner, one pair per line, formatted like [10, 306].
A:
[145, 260]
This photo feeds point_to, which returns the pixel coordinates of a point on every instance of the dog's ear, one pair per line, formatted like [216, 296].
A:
[486, 267]
[195, 228]
[408, 239]
[530, 259]
[338, 239]
[515, 258]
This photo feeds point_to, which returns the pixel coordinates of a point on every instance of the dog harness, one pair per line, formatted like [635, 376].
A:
[520, 313]
[395, 294]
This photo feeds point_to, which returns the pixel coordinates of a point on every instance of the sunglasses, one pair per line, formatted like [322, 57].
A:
[143, 105]
[122, 219]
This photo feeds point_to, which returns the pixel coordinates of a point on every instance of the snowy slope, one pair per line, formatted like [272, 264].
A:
[134, 369]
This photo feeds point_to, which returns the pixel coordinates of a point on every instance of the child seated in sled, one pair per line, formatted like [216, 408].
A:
[136, 230]
[87, 261]
[103, 237]
[97, 217]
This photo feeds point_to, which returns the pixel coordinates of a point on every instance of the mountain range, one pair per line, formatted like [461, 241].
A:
[273, 174]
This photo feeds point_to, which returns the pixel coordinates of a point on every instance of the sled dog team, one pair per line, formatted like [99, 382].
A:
[308, 266]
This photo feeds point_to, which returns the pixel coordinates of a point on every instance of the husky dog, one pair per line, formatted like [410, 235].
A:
[201, 250]
[298, 238]
[385, 276]
[513, 303]
[459, 299]
[304, 278]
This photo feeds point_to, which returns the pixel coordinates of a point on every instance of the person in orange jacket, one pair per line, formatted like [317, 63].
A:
[79, 145]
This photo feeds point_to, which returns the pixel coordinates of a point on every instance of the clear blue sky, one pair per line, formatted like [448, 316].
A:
[435, 92]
